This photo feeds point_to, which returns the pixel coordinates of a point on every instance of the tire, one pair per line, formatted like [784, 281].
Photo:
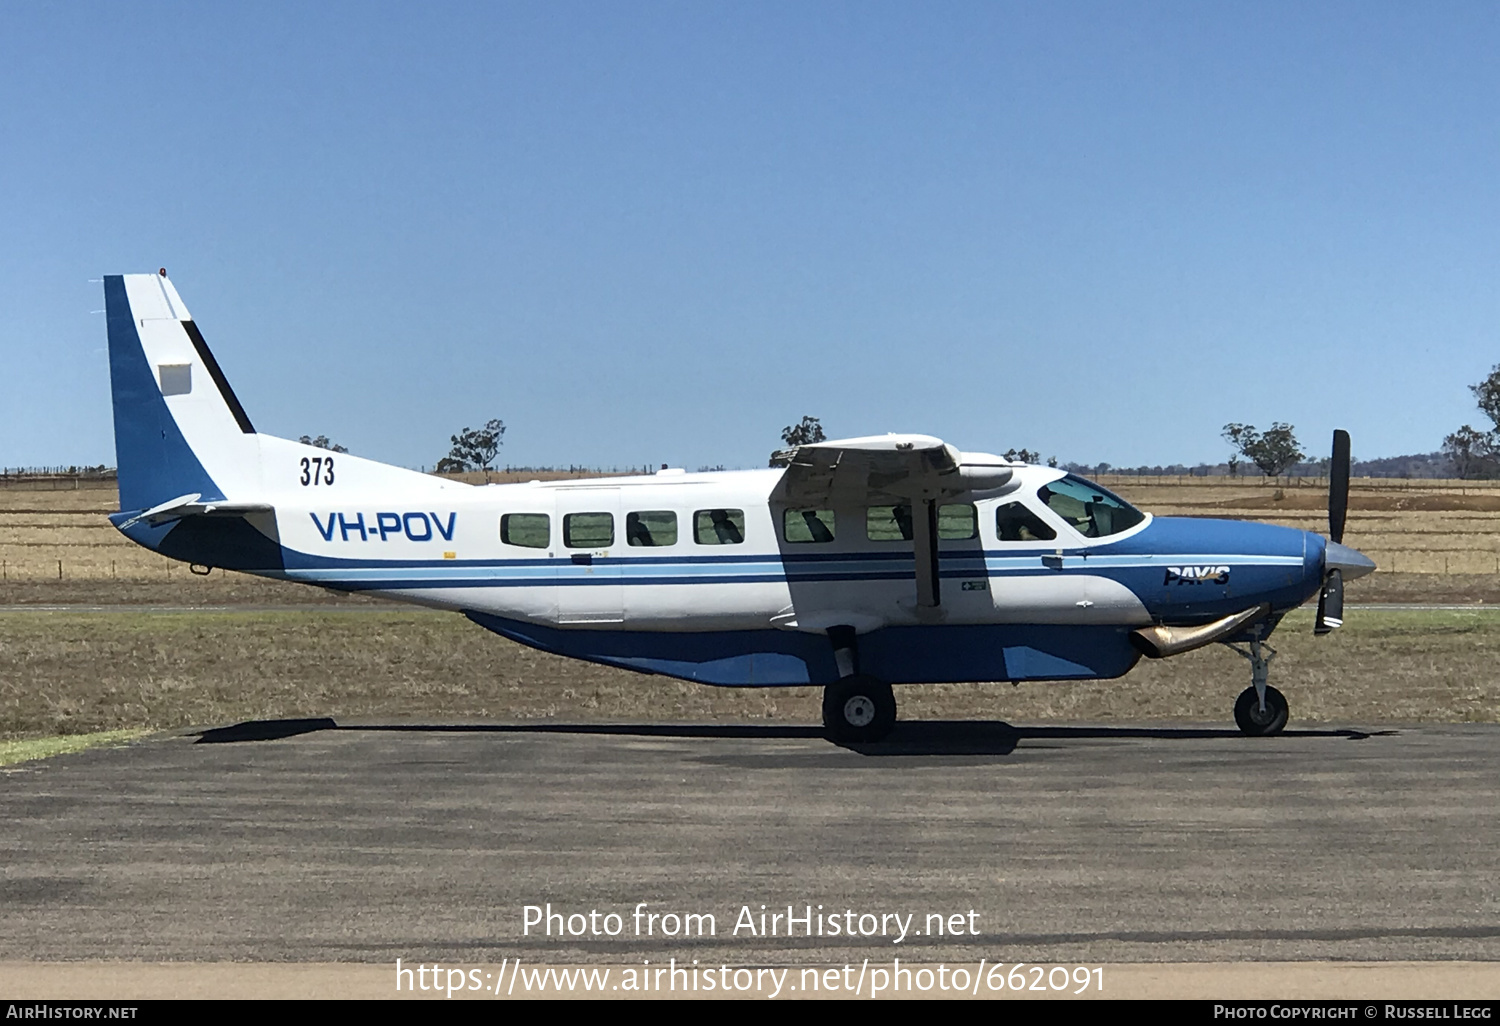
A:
[858, 708]
[1255, 723]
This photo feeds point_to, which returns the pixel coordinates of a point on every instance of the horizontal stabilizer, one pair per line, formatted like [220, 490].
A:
[189, 506]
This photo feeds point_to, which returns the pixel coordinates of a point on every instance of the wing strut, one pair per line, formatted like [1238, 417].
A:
[924, 536]
[897, 469]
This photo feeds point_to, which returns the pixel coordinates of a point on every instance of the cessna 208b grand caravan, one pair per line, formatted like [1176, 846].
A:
[850, 564]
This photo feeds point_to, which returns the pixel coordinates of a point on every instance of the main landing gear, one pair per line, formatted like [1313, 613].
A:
[1260, 710]
[857, 707]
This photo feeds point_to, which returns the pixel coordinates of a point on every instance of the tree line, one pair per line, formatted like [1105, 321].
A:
[1467, 453]
[1475, 453]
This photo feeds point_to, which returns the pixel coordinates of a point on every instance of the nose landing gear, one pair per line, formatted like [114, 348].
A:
[1261, 710]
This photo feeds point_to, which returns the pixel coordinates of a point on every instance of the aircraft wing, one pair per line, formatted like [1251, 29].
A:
[916, 470]
[883, 469]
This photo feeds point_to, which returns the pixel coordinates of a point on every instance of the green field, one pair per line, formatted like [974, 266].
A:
[75, 673]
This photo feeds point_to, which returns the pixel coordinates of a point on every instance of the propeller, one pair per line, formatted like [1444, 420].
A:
[1331, 599]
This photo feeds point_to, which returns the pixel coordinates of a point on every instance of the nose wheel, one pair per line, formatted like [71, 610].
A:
[1257, 720]
[1261, 710]
[858, 708]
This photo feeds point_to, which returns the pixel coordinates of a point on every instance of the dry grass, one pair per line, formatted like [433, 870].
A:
[68, 673]
[76, 673]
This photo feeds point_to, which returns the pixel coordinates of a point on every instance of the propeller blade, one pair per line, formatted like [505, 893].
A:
[1338, 486]
[1331, 604]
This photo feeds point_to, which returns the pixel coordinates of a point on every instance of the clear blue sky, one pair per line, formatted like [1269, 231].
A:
[659, 232]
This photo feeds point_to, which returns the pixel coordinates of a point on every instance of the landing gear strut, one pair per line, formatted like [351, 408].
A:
[858, 707]
[1260, 710]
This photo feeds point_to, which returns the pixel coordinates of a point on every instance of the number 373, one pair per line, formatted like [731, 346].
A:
[318, 470]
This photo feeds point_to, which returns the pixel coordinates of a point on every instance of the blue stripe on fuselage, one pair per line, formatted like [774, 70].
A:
[1264, 563]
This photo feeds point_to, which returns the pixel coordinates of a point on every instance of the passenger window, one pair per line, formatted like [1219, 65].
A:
[589, 530]
[719, 526]
[1015, 523]
[1092, 511]
[886, 523]
[652, 528]
[528, 530]
[957, 521]
[807, 525]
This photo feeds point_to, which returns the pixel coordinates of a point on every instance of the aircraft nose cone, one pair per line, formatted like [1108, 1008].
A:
[1350, 562]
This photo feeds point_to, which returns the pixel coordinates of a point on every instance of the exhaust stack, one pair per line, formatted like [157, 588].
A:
[1161, 641]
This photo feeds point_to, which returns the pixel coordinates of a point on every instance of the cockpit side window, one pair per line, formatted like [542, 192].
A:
[1015, 523]
[1092, 511]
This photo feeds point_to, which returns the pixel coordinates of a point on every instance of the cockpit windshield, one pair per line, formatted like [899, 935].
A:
[1092, 511]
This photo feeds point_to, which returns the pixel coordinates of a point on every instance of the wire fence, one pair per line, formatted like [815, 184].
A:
[57, 478]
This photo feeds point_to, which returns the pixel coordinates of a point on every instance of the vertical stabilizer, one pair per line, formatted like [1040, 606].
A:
[175, 415]
[180, 431]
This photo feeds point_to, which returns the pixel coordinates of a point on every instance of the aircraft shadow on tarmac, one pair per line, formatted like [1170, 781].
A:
[925, 737]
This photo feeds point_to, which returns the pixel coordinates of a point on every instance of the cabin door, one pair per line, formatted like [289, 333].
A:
[589, 580]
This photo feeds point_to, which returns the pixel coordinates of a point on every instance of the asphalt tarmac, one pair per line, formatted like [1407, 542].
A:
[310, 841]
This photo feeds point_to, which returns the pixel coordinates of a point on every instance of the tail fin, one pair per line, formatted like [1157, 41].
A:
[181, 436]
[173, 408]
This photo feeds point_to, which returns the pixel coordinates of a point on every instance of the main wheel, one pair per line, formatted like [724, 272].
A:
[858, 708]
[1252, 721]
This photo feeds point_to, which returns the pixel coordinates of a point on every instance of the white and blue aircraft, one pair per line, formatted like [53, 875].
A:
[849, 564]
